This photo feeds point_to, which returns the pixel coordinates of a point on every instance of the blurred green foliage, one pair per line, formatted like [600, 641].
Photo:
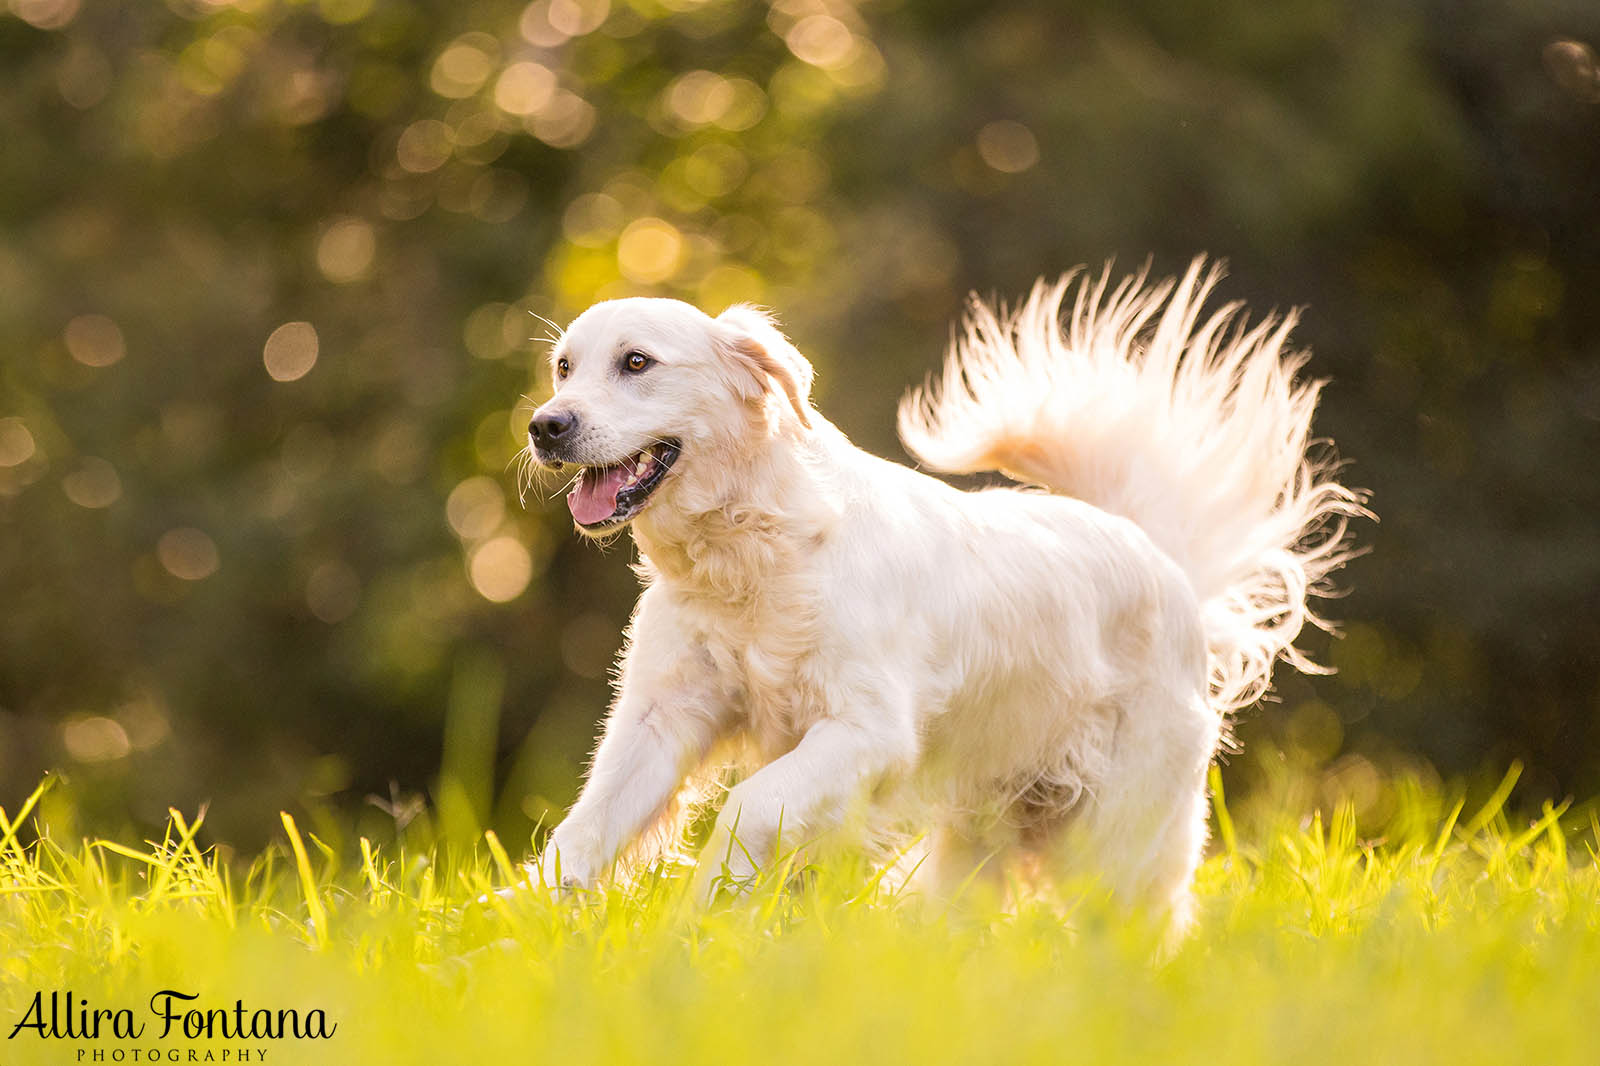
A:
[269, 279]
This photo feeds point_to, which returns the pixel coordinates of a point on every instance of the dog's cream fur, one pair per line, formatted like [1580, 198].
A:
[1044, 673]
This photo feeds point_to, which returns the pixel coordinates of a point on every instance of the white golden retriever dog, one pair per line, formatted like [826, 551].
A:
[1043, 674]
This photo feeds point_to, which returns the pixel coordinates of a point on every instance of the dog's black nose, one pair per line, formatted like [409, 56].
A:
[549, 428]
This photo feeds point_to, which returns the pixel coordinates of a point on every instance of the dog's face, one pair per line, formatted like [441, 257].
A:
[645, 389]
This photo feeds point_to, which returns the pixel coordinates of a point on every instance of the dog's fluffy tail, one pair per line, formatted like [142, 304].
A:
[1192, 426]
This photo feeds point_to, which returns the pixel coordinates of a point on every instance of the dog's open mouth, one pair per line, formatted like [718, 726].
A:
[607, 495]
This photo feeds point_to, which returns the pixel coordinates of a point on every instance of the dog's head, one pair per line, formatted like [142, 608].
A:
[646, 390]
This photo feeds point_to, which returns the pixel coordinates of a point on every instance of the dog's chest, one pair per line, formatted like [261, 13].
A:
[766, 655]
[745, 584]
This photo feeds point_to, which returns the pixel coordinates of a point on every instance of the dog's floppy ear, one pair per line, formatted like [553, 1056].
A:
[755, 340]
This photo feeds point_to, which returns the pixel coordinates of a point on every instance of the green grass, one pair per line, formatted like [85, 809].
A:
[1463, 936]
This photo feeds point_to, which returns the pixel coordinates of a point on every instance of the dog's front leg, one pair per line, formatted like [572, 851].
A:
[800, 794]
[668, 714]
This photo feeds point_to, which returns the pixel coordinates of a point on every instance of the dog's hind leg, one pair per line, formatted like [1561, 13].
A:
[1141, 831]
[963, 862]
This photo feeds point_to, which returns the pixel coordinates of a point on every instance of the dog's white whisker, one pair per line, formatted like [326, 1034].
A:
[524, 460]
[555, 329]
[563, 490]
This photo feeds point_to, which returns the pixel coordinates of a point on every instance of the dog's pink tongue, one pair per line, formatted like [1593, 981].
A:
[594, 498]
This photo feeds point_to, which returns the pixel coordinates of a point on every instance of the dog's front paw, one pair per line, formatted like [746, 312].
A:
[561, 866]
[536, 879]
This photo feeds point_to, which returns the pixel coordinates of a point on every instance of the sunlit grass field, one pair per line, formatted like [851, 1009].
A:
[1464, 934]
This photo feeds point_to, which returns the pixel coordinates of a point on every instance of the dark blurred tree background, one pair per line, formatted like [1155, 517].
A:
[269, 274]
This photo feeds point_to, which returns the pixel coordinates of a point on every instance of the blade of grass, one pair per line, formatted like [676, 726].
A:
[308, 882]
[1495, 803]
[1219, 803]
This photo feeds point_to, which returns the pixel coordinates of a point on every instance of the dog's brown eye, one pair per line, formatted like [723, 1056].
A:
[636, 361]
[562, 368]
